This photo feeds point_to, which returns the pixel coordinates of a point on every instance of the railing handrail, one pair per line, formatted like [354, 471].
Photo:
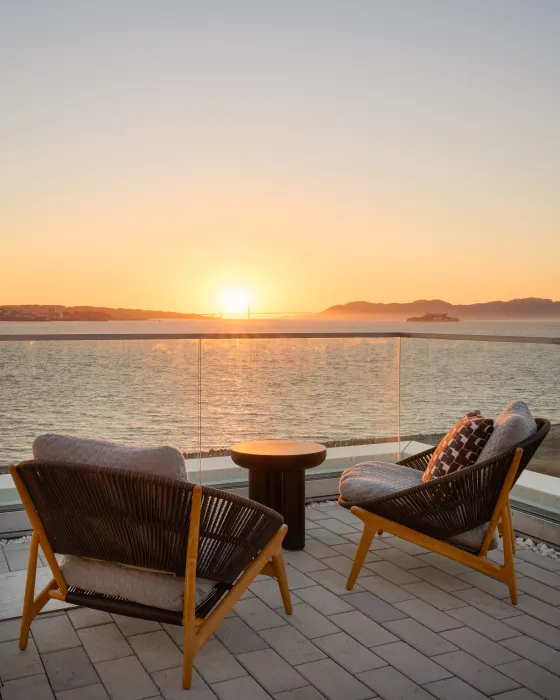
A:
[538, 340]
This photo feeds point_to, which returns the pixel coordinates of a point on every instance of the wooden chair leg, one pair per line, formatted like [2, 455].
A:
[363, 548]
[280, 570]
[509, 565]
[28, 612]
[511, 523]
[188, 658]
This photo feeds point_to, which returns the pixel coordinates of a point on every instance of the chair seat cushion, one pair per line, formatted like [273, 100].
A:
[369, 480]
[514, 425]
[153, 588]
[159, 461]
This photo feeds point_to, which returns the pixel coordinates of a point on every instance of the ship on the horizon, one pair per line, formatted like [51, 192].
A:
[434, 318]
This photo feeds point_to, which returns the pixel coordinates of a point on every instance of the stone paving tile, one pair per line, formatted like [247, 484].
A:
[343, 565]
[492, 586]
[316, 514]
[269, 592]
[69, 669]
[177, 632]
[296, 579]
[238, 637]
[327, 537]
[480, 647]
[377, 543]
[311, 524]
[132, 625]
[323, 600]
[9, 630]
[374, 607]
[391, 684]
[535, 651]
[539, 590]
[87, 617]
[104, 642]
[549, 578]
[447, 565]
[485, 624]
[318, 549]
[487, 604]
[411, 662]
[392, 573]
[346, 516]
[543, 611]
[155, 650]
[245, 688]
[303, 561]
[538, 559]
[533, 677]
[519, 694]
[308, 621]
[363, 629]
[338, 527]
[434, 596]
[408, 547]
[453, 689]
[170, 683]
[399, 558]
[349, 550]
[54, 633]
[537, 629]
[271, 671]
[333, 581]
[215, 664]
[15, 663]
[29, 688]
[439, 578]
[258, 615]
[333, 681]
[420, 637]
[308, 692]
[431, 617]
[476, 673]
[90, 692]
[349, 653]
[125, 679]
[292, 645]
[385, 590]
[17, 559]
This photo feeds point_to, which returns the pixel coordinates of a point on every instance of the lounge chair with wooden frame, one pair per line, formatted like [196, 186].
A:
[430, 513]
[151, 522]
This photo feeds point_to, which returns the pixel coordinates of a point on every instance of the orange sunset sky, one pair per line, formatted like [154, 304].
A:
[306, 152]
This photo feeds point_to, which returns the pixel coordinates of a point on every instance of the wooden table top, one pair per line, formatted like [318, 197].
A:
[278, 454]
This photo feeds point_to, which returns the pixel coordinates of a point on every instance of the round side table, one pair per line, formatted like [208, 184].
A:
[277, 478]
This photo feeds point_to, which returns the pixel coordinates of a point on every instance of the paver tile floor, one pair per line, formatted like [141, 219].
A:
[415, 627]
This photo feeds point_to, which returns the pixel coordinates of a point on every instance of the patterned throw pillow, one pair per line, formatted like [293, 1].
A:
[461, 446]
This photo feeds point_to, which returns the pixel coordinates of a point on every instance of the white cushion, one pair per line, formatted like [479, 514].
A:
[152, 588]
[514, 424]
[370, 480]
[160, 461]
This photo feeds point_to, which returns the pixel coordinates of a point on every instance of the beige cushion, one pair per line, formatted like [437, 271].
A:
[369, 480]
[155, 589]
[514, 424]
[160, 461]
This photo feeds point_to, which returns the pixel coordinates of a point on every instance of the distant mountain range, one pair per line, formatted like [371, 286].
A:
[43, 312]
[514, 310]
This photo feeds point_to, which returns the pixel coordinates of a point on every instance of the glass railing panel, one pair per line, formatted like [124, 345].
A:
[130, 391]
[338, 392]
[441, 380]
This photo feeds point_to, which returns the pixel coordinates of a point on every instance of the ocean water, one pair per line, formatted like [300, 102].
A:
[210, 394]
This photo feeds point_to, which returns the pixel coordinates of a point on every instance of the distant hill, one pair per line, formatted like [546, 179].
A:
[514, 310]
[43, 312]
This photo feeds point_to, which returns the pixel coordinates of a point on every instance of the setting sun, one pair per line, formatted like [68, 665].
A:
[234, 301]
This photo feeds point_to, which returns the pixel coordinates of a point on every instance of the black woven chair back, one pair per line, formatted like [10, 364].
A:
[143, 520]
[457, 502]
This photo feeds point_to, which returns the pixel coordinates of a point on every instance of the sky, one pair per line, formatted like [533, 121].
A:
[179, 155]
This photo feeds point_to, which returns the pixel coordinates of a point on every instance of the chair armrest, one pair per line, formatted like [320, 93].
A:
[418, 461]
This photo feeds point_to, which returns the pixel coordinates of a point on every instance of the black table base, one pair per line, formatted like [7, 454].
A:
[283, 491]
